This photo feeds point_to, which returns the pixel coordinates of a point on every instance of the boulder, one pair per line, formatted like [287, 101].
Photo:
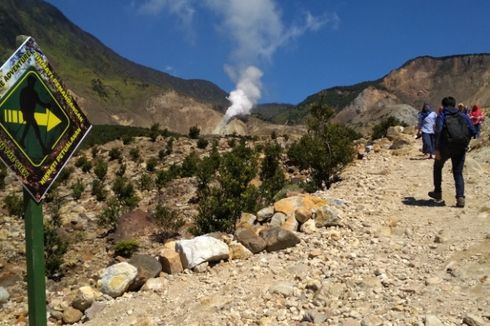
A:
[134, 224]
[250, 240]
[84, 297]
[201, 249]
[308, 227]
[148, 267]
[326, 216]
[302, 214]
[4, 295]
[117, 278]
[288, 206]
[278, 219]
[94, 309]
[170, 261]
[265, 214]
[246, 219]
[277, 238]
[157, 284]
[72, 315]
[239, 251]
[291, 224]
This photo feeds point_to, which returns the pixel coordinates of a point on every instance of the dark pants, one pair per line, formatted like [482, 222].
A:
[477, 129]
[428, 143]
[457, 161]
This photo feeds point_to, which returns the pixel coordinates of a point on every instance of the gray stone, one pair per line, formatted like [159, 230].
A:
[314, 317]
[326, 216]
[201, 249]
[265, 214]
[94, 309]
[4, 295]
[277, 238]
[148, 267]
[117, 278]
[472, 320]
[250, 240]
[431, 320]
[283, 288]
[278, 219]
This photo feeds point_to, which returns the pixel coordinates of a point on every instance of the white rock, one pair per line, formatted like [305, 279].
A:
[117, 278]
[431, 320]
[4, 295]
[201, 249]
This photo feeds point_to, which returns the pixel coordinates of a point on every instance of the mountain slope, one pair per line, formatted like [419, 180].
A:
[109, 87]
[403, 91]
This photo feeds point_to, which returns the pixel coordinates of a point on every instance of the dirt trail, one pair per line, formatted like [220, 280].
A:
[399, 258]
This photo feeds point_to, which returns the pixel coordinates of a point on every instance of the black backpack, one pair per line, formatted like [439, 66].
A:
[455, 132]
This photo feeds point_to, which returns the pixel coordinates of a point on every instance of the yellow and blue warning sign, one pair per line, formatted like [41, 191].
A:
[40, 123]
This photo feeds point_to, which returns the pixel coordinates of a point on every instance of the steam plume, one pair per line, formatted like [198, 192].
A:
[246, 94]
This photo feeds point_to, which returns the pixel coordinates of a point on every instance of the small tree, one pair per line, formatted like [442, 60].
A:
[134, 153]
[151, 164]
[154, 131]
[202, 143]
[168, 220]
[98, 190]
[115, 154]
[194, 132]
[271, 172]
[77, 189]
[100, 169]
[189, 165]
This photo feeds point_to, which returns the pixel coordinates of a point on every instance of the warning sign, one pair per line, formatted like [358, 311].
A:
[40, 123]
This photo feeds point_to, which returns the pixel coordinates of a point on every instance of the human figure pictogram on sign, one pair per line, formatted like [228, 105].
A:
[28, 101]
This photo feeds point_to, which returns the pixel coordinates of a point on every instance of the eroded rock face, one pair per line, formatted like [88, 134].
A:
[201, 249]
[117, 278]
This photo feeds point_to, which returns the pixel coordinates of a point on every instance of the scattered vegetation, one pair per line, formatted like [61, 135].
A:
[14, 205]
[77, 189]
[98, 190]
[100, 169]
[202, 143]
[168, 221]
[194, 132]
[55, 246]
[125, 248]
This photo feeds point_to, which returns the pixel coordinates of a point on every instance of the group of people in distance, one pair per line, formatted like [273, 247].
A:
[446, 135]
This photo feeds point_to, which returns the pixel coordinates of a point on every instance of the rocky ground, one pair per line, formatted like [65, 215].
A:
[396, 258]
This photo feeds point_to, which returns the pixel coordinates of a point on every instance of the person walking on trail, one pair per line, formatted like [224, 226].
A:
[453, 132]
[28, 101]
[427, 120]
[477, 117]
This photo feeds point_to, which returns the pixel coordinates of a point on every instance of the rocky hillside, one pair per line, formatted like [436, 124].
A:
[110, 88]
[372, 250]
[402, 92]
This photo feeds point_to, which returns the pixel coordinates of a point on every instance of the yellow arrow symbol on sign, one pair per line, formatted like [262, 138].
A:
[48, 119]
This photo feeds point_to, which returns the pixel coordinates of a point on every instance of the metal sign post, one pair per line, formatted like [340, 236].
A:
[41, 126]
[36, 293]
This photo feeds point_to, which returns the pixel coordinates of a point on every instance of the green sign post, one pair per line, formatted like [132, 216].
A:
[40, 128]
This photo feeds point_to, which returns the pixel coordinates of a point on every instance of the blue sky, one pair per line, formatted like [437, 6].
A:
[298, 46]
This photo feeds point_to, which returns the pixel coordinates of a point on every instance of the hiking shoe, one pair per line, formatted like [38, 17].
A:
[460, 202]
[436, 195]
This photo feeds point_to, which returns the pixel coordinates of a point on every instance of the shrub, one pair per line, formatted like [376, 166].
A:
[202, 143]
[121, 171]
[110, 215]
[325, 149]
[271, 173]
[125, 193]
[125, 248]
[98, 190]
[65, 174]
[95, 151]
[55, 247]
[127, 139]
[100, 169]
[154, 131]
[165, 176]
[115, 154]
[189, 165]
[273, 135]
[169, 146]
[151, 164]
[221, 205]
[77, 189]
[380, 130]
[146, 182]
[14, 205]
[194, 132]
[168, 220]
[84, 164]
[162, 153]
[3, 174]
[134, 153]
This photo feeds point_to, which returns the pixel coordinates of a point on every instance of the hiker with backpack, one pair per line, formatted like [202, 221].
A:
[453, 132]
[427, 120]
[477, 117]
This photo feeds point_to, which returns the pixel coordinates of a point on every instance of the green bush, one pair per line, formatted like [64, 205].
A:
[77, 189]
[65, 174]
[98, 190]
[194, 132]
[202, 143]
[146, 182]
[110, 214]
[271, 173]
[125, 248]
[165, 176]
[380, 130]
[167, 219]
[189, 165]
[84, 164]
[127, 139]
[169, 146]
[95, 151]
[154, 131]
[55, 247]
[125, 193]
[325, 149]
[151, 164]
[221, 205]
[121, 171]
[100, 169]
[162, 154]
[134, 153]
[115, 154]
[14, 205]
